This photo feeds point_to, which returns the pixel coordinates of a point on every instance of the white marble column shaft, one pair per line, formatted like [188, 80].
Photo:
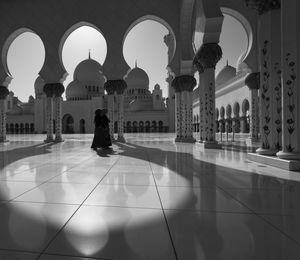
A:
[110, 113]
[49, 119]
[121, 118]
[178, 115]
[2, 120]
[270, 107]
[254, 116]
[58, 118]
[290, 43]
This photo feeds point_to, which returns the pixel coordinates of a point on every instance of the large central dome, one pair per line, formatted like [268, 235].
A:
[89, 70]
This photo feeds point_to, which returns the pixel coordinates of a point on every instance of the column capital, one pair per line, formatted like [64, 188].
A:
[49, 89]
[208, 55]
[58, 89]
[253, 80]
[184, 83]
[116, 85]
[3, 92]
[197, 64]
[263, 6]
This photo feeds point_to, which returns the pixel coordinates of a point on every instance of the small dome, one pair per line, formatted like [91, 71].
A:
[39, 85]
[89, 70]
[76, 90]
[227, 73]
[137, 78]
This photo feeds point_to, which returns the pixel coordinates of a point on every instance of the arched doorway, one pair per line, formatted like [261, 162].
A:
[68, 124]
[82, 126]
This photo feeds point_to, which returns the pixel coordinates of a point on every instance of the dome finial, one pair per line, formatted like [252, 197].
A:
[136, 63]
[89, 54]
[227, 63]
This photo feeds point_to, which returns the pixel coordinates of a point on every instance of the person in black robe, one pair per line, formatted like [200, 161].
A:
[101, 134]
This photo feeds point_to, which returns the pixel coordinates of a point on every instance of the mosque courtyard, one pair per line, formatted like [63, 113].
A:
[148, 198]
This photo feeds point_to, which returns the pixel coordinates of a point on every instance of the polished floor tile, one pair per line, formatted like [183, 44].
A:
[11, 189]
[64, 257]
[13, 255]
[204, 199]
[31, 226]
[148, 198]
[287, 224]
[203, 235]
[115, 233]
[128, 178]
[268, 201]
[124, 196]
[67, 193]
[83, 177]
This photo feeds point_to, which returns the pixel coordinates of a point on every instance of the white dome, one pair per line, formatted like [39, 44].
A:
[227, 73]
[76, 90]
[39, 85]
[89, 71]
[137, 78]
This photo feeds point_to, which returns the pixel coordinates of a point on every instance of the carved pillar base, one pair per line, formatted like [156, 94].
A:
[49, 139]
[211, 145]
[121, 139]
[263, 151]
[288, 155]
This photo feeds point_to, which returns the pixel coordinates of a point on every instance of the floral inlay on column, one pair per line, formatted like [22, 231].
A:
[3, 94]
[290, 83]
[278, 95]
[266, 119]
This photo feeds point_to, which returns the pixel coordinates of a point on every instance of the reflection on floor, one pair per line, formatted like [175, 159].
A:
[147, 199]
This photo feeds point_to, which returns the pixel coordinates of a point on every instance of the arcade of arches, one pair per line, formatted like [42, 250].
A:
[251, 105]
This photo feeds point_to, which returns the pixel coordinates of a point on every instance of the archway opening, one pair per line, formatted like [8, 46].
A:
[234, 42]
[81, 42]
[145, 48]
[68, 124]
[25, 56]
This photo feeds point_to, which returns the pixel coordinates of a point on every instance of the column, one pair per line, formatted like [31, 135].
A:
[290, 42]
[178, 115]
[253, 83]
[3, 94]
[270, 84]
[48, 89]
[202, 133]
[110, 89]
[207, 57]
[121, 86]
[184, 86]
[58, 91]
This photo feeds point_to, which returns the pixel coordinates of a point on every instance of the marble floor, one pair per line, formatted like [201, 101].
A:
[146, 199]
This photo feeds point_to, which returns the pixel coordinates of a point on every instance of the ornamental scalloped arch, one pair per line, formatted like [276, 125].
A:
[222, 112]
[69, 32]
[245, 106]
[228, 111]
[249, 32]
[156, 19]
[4, 52]
[236, 109]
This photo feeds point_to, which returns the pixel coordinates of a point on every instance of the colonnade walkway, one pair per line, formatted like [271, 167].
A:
[148, 198]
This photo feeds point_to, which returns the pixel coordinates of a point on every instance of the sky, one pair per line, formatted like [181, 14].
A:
[144, 44]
